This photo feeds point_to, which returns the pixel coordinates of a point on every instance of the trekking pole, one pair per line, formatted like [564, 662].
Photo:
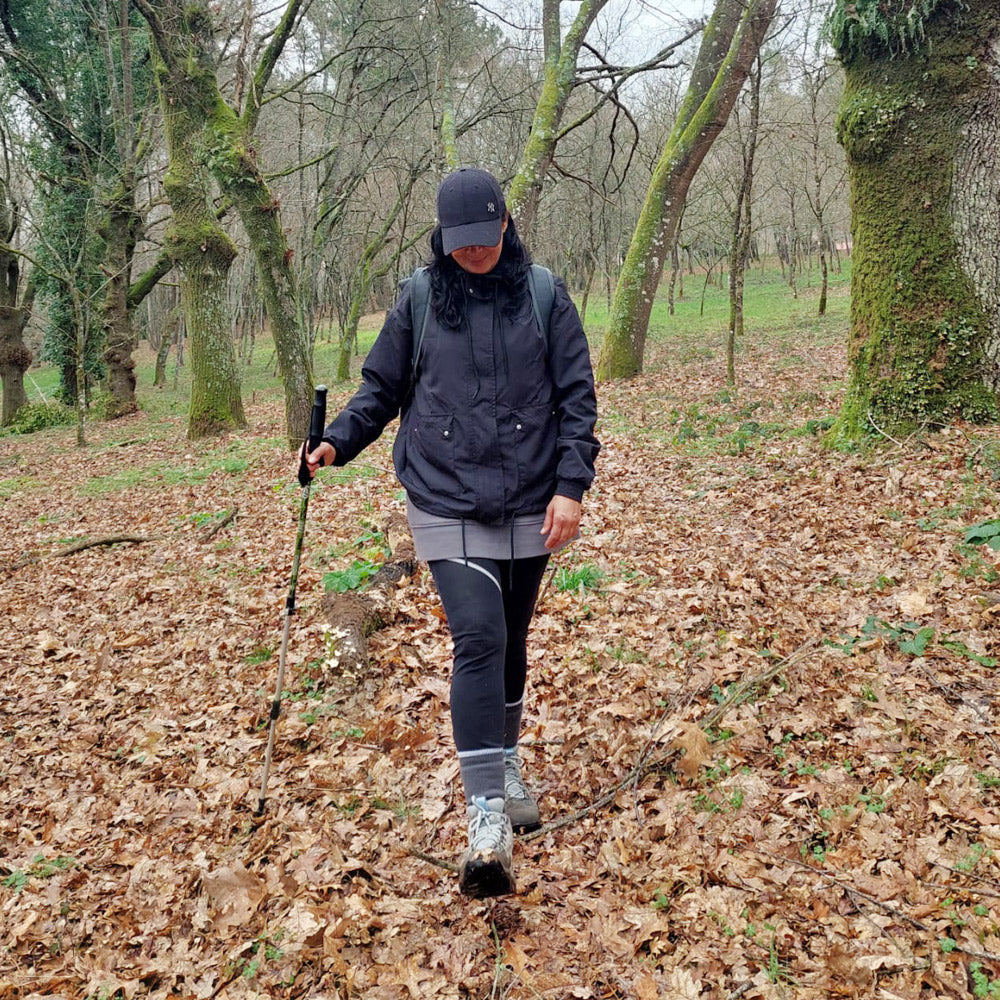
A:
[317, 422]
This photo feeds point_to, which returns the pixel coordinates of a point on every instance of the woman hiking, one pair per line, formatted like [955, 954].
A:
[495, 449]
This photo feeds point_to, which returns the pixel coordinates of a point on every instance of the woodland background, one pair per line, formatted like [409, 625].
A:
[761, 713]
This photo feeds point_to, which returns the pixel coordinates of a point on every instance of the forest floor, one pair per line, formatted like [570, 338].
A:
[761, 717]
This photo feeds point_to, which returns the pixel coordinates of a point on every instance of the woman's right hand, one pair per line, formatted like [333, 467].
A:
[324, 454]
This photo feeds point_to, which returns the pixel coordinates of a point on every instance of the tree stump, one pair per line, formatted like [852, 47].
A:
[353, 617]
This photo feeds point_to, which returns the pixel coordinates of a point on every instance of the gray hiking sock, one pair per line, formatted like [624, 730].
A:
[512, 724]
[482, 773]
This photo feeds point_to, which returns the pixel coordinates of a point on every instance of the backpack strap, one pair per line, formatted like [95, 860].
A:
[420, 299]
[542, 286]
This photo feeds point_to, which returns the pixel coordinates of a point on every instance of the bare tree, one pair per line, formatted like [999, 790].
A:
[729, 46]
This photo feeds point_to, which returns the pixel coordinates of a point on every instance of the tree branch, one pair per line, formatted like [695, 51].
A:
[284, 30]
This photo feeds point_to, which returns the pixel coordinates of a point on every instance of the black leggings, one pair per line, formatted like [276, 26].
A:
[489, 604]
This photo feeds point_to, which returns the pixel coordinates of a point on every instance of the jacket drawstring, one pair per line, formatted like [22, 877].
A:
[510, 563]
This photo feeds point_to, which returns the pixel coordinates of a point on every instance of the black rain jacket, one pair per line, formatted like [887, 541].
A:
[500, 418]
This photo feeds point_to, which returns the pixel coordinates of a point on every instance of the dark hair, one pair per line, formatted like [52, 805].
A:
[448, 284]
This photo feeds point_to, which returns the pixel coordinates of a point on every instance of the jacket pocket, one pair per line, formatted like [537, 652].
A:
[431, 454]
[535, 438]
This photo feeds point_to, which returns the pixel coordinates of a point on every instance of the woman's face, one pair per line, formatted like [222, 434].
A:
[480, 260]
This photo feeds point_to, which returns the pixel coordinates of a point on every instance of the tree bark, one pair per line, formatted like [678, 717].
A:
[14, 313]
[121, 234]
[730, 43]
[14, 360]
[198, 245]
[63, 62]
[921, 127]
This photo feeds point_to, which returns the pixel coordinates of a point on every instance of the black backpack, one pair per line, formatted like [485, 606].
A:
[541, 286]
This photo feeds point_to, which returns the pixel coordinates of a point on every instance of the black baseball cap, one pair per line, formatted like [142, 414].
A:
[470, 209]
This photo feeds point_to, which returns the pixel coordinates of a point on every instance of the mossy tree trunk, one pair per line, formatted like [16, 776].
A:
[15, 309]
[560, 76]
[728, 48]
[198, 245]
[182, 31]
[69, 63]
[920, 123]
[446, 92]
[366, 272]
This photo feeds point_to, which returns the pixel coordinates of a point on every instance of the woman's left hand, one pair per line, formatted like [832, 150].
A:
[562, 521]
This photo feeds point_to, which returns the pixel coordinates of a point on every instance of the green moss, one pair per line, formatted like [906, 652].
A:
[917, 327]
[868, 123]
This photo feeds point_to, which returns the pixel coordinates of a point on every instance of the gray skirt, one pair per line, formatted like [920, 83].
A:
[456, 538]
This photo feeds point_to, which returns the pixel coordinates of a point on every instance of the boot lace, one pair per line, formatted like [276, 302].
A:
[487, 830]
[513, 784]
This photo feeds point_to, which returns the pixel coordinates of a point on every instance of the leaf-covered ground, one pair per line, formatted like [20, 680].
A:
[761, 719]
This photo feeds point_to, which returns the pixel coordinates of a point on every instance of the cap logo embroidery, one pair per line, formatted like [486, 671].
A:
[491, 207]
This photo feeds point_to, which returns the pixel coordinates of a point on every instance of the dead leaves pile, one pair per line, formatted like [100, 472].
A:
[765, 738]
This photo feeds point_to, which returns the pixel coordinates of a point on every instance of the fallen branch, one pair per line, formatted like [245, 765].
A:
[738, 693]
[213, 529]
[93, 543]
[30, 558]
[355, 616]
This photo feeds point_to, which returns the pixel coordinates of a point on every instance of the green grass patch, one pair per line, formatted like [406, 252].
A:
[699, 325]
[581, 577]
[696, 333]
[160, 475]
[18, 484]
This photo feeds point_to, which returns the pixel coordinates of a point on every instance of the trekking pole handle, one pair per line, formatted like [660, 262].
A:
[317, 423]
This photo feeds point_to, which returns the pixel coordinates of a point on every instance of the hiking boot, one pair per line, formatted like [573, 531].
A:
[487, 867]
[518, 802]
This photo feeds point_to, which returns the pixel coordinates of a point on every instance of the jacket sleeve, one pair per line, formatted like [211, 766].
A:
[575, 400]
[385, 385]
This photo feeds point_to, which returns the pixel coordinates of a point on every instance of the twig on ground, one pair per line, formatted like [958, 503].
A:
[30, 558]
[972, 875]
[966, 889]
[742, 690]
[884, 434]
[738, 694]
[213, 529]
[431, 860]
[548, 580]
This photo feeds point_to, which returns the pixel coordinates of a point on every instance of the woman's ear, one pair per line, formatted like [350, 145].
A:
[506, 219]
